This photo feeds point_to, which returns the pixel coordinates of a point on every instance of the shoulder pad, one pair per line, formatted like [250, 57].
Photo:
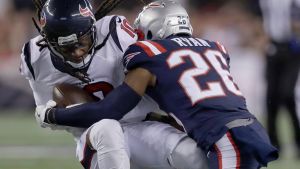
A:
[151, 48]
[221, 47]
[120, 31]
[29, 56]
[218, 46]
[102, 25]
[141, 53]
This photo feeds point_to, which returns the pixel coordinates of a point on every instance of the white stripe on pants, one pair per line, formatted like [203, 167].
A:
[228, 153]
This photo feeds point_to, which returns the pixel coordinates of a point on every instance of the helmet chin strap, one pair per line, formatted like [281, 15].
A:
[71, 69]
[82, 64]
[65, 67]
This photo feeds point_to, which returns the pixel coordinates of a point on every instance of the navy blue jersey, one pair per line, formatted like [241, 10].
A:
[193, 83]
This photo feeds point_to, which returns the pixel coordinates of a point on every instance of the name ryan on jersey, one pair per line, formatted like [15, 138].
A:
[181, 41]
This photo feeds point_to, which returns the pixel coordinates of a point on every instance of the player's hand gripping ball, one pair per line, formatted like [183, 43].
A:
[66, 95]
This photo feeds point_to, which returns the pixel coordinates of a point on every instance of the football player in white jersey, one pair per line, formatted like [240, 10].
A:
[74, 48]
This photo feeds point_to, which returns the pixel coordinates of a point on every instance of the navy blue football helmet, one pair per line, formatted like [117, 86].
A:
[67, 25]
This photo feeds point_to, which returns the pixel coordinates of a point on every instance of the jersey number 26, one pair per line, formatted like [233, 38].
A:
[203, 64]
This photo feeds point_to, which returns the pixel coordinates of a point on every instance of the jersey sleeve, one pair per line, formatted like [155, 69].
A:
[223, 50]
[141, 54]
[29, 57]
[26, 68]
[120, 31]
[30, 68]
[42, 93]
[126, 33]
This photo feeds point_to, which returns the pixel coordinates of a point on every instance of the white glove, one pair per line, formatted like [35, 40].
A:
[40, 114]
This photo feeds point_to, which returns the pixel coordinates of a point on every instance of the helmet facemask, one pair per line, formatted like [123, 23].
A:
[66, 47]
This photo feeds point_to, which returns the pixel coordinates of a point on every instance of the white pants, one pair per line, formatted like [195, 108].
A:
[148, 144]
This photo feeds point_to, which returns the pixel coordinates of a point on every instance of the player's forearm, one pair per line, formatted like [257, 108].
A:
[114, 106]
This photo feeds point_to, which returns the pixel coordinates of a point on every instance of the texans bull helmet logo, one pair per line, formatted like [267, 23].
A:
[43, 19]
[86, 12]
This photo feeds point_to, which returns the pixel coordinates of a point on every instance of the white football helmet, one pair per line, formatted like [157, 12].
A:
[161, 19]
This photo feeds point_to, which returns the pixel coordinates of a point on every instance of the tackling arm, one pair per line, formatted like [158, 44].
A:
[114, 106]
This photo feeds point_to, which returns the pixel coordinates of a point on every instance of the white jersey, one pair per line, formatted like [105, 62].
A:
[105, 70]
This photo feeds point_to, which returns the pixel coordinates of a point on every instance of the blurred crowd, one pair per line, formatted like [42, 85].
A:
[235, 23]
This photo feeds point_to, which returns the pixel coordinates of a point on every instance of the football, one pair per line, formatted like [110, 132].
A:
[67, 94]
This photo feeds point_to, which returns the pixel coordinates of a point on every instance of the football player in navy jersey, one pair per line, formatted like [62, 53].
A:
[189, 78]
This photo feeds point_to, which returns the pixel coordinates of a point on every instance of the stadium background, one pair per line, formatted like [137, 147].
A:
[235, 23]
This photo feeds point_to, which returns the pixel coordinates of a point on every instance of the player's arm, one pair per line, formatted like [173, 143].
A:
[29, 68]
[114, 106]
[139, 79]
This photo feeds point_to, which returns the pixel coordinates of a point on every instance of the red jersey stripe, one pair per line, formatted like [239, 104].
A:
[158, 46]
[237, 151]
[146, 49]
[219, 154]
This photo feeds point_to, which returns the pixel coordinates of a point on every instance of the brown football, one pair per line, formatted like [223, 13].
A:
[68, 94]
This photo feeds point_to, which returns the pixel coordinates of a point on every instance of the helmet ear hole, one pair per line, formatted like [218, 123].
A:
[149, 35]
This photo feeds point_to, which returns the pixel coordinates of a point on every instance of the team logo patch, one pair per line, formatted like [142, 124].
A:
[128, 57]
[86, 12]
[43, 19]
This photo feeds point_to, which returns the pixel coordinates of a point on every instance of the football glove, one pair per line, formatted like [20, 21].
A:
[41, 114]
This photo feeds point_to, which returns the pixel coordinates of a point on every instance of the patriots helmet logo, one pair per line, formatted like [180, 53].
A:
[155, 5]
